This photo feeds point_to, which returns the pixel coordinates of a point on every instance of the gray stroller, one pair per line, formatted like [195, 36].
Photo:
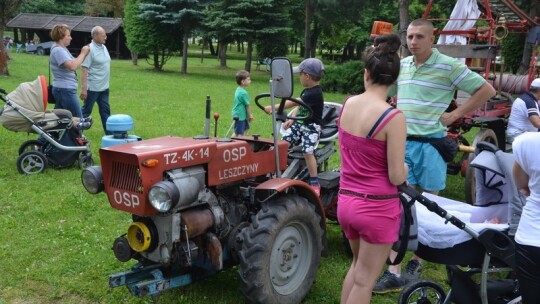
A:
[477, 248]
[60, 144]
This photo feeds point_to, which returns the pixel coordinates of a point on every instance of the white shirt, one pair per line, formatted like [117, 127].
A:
[519, 122]
[525, 149]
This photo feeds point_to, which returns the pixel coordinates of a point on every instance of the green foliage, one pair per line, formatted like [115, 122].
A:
[60, 7]
[346, 78]
[275, 45]
[512, 51]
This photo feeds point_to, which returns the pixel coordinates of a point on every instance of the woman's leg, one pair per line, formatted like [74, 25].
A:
[370, 262]
[348, 282]
[528, 273]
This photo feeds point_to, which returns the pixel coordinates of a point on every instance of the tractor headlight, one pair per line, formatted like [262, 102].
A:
[92, 179]
[163, 196]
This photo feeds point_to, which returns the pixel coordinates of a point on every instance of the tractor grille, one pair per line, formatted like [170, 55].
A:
[127, 177]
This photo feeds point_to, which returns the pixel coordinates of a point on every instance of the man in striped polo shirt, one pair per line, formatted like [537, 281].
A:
[425, 87]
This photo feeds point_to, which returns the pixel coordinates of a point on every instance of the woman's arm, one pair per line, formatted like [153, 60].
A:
[72, 65]
[521, 179]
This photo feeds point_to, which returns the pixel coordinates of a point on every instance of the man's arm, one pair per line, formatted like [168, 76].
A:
[535, 120]
[480, 97]
[84, 83]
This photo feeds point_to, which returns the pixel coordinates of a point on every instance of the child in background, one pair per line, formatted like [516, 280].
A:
[241, 107]
[307, 132]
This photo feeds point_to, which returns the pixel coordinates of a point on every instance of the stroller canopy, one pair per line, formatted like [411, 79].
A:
[30, 99]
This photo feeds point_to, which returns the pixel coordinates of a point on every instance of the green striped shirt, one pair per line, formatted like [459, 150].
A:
[425, 92]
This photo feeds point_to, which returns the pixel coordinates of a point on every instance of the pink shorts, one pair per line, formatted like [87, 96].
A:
[375, 221]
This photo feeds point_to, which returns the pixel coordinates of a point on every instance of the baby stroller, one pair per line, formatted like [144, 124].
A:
[60, 142]
[478, 243]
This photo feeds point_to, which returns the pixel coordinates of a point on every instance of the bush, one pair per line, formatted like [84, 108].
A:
[345, 78]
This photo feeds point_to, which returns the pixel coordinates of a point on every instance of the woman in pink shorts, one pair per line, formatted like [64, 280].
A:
[372, 145]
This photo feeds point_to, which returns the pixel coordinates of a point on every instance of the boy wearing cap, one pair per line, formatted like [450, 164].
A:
[307, 132]
[524, 116]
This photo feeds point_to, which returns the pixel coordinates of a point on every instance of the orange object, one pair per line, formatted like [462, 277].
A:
[381, 28]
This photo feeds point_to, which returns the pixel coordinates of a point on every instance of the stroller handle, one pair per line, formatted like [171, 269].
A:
[432, 206]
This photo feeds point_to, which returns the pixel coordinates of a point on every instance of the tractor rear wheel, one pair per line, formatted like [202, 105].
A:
[281, 251]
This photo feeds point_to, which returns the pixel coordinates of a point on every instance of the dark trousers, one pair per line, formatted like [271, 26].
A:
[102, 100]
[528, 273]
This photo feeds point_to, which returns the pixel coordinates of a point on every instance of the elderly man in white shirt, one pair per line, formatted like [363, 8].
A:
[95, 77]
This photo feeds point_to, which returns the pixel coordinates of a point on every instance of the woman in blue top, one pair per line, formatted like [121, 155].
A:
[63, 66]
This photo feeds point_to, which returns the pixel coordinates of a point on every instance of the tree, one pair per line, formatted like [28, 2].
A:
[104, 8]
[403, 24]
[146, 34]
[176, 17]
[60, 7]
[8, 8]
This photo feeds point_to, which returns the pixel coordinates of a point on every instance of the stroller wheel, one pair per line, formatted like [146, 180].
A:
[30, 145]
[85, 161]
[31, 162]
[422, 292]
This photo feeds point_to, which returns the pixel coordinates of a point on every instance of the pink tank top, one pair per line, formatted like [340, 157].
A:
[364, 166]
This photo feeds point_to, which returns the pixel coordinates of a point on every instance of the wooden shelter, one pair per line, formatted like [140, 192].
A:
[41, 25]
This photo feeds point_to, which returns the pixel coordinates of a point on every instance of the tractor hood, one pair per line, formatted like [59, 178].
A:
[131, 169]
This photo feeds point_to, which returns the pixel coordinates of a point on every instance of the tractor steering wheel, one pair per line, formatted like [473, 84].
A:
[280, 113]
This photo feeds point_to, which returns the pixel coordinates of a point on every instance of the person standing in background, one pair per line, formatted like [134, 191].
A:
[63, 68]
[526, 173]
[425, 87]
[241, 107]
[96, 71]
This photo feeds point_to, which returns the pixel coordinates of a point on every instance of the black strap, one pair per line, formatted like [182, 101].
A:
[378, 122]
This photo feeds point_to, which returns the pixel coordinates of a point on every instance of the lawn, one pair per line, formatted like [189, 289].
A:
[57, 237]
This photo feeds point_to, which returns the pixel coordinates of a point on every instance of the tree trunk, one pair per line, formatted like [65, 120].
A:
[222, 54]
[249, 55]
[134, 58]
[156, 60]
[403, 24]
[307, 28]
[3, 57]
[185, 53]
[211, 47]
[527, 48]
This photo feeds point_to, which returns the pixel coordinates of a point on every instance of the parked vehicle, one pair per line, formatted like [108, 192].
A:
[43, 48]
[203, 204]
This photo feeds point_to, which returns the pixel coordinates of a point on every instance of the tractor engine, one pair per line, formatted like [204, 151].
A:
[186, 196]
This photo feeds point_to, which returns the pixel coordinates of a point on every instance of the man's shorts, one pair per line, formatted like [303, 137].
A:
[241, 127]
[306, 135]
[427, 168]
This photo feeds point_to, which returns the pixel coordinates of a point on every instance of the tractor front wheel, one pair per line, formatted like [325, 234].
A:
[281, 251]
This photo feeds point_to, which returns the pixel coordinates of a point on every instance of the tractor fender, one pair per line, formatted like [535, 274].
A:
[282, 185]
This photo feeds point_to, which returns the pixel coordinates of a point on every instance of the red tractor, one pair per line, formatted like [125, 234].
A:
[204, 204]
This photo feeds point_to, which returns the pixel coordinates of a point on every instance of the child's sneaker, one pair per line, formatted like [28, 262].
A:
[412, 271]
[84, 125]
[388, 282]
[317, 189]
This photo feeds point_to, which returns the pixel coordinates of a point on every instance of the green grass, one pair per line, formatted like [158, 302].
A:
[57, 237]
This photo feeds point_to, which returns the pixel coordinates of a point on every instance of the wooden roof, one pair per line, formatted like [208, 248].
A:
[76, 23]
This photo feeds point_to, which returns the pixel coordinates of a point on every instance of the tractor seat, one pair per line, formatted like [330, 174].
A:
[329, 129]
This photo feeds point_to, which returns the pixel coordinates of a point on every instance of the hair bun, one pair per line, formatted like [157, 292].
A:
[388, 43]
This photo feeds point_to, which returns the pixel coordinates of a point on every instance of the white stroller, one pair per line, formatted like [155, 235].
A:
[478, 243]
